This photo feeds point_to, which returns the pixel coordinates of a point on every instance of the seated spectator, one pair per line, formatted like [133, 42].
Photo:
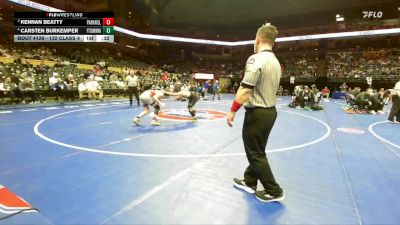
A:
[9, 89]
[343, 87]
[16, 78]
[60, 87]
[98, 78]
[305, 98]
[42, 68]
[53, 80]
[86, 75]
[317, 93]
[71, 87]
[56, 86]
[380, 98]
[325, 92]
[97, 70]
[27, 89]
[120, 83]
[366, 102]
[355, 92]
[296, 97]
[82, 89]
[93, 88]
[112, 78]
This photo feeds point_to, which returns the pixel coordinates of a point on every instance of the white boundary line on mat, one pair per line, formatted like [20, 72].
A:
[370, 128]
[42, 136]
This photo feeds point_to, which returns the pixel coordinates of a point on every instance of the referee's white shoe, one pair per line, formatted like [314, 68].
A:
[242, 185]
[266, 197]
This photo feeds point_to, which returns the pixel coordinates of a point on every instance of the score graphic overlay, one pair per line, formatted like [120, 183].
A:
[64, 27]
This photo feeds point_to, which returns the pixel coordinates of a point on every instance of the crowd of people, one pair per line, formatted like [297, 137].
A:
[301, 67]
[23, 82]
[308, 98]
[30, 84]
[369, 101]
[364, 64]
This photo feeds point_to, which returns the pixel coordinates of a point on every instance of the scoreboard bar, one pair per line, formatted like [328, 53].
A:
[63, 27]
[64, 38]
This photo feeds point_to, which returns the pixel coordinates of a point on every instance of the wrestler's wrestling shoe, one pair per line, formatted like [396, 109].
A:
[136, 121]
[242, 185]
[266, 197]
[155, 123]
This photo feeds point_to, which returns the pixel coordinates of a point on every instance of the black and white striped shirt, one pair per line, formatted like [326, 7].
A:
[263, 73]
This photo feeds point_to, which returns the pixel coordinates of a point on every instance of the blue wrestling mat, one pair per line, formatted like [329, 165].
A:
[88, 164]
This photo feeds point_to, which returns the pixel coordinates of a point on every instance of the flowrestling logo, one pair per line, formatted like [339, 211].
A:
[372, 14]
[184, 115]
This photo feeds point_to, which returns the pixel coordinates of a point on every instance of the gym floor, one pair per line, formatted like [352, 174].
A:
[88, 164]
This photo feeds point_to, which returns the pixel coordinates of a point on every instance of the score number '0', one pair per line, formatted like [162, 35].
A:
[108, 21]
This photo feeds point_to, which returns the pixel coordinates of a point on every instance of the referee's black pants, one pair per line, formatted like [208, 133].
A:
[258, 123]
[131, 91]
[395, 110]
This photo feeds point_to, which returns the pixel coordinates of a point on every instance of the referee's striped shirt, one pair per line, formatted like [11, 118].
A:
[263, 73]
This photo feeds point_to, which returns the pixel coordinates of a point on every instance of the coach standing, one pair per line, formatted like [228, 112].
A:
[257, 93]
[395, 111]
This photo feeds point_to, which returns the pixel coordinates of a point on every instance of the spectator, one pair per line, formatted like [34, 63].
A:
[27, 89]
[42, 68]
[93, 89]
[98, 78]
[216, 89]
[280, 90]
[60, 88]
[113, 77]
[52, 85]
[343, 87]
[185, 87]
[325, 92]
[380, 98]
[82, 89]
[70, 87]
[365, 101]
[10, 89]
[206, 87]
[57, 87]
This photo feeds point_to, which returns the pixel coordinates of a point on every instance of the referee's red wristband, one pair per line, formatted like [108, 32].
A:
[235, 106]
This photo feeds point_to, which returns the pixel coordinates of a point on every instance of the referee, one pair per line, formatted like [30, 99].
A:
[257, 93]
[132, 81]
